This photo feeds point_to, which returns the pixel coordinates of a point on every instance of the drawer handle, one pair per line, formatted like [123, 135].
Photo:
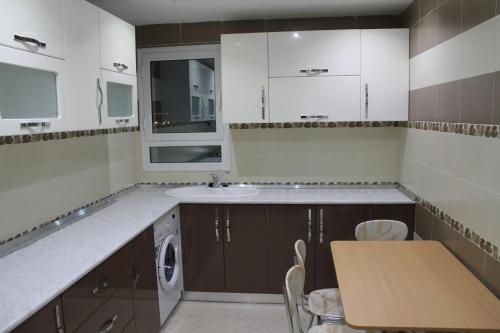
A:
[108, 325]
[319, 116]
[59, 323]
[120, 66]
[29, 40]
[43, 124]
[101, 286]
[314, 70]
[217, 237]
[122, 121]
[228, 227]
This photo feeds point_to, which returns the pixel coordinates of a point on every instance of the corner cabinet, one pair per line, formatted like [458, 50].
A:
[330, 75]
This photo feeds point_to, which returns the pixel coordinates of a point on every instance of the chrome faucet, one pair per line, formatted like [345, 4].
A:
[217, 178]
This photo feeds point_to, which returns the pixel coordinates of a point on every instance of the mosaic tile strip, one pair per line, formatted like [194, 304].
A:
[340, 124]
[2, 242]
[471, 235]
[482, 130]
[27, 138]
[280, 183]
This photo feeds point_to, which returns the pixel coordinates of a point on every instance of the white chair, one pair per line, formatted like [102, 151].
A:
[292, 293]
[381, 230]
[325, 304]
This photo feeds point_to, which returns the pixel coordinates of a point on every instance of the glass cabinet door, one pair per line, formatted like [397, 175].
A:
[119, 103]
[31, 90]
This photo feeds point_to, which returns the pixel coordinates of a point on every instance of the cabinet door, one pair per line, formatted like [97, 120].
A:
[302, 53]
[244, 78]
[32, 98]
[286, 224]
[245, 248]
[117, 44]
[49, 319]
[146, 303]
[335, 222]
[328, 98]
[202, 248]
[384, 74]
[403, 213]
[41, 21]
[119, 100]
[82, 63]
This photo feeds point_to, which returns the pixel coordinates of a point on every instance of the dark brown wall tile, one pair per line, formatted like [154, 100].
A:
[333, 23]
[443, 233]
[414, 104]
[449, 20]
[476, 11]
[423, 222]
[470, 255]
[414, 40]
[495, 119]
[492, 275]
[411, 14]
[427, 104]
[426, 6]
[158, 35]
[201, 33]
[498, 7]
[378, 22]
[241, 27]
[476, 99]
[296, 24]
[428, 31]
[447, 102]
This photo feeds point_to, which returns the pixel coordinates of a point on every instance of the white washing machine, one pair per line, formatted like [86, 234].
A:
[168, 262]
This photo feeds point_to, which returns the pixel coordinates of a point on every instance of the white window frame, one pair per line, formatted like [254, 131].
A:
[150, 139]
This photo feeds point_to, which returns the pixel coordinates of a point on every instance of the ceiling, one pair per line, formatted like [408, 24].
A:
[139, 12]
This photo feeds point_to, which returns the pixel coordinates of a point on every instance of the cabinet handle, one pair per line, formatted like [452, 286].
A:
[59, 324]
[120, 66]
[122, 121]
[107, 326]
[43, 124]
[321, 225]
[305, 117]
[99, 100]
[29, 40]
[135, 273]
[366, 100]
[309, 225]
[319, 116]
[228, 227]
[263, 102]
[217, 238]
[101, 286]
[314, 70]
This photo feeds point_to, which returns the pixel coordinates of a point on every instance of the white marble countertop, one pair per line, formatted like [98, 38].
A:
[35, 274]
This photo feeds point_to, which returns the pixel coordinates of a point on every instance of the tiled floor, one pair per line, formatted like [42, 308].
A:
[215, 317]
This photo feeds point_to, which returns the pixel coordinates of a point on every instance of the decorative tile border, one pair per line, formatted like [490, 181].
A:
[471, 235]
[482, 130]
[281, 183]
[56, 219]
[27, 138]
[325, 124]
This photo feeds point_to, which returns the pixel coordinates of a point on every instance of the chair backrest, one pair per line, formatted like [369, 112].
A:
[381, 230]
[294, 287]
[300, 252]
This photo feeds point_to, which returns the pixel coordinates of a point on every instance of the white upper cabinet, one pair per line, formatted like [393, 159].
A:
[118, 107]
[384, 74]
[307, 53]
[33, 25]
[82, 63]
[245, 78]
[326, 98]
[117, 42]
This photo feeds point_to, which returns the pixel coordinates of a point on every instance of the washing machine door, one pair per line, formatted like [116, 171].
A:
[168, 263]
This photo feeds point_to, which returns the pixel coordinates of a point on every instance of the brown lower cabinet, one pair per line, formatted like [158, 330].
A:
[120, 295]
[255, 252]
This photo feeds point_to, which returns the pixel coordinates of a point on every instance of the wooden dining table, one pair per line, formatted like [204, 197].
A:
[411, 285]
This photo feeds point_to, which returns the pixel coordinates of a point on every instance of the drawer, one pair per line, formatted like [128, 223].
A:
[130, 327]
[112, 317]
[85, 296]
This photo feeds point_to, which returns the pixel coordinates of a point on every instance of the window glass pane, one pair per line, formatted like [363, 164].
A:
[119, 99]
[185, 154]
[27, 93]
[183, 96]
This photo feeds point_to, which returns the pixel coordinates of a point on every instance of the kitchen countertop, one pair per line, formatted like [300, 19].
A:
[37, 273]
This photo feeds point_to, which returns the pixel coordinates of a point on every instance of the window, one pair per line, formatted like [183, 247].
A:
[181, 121]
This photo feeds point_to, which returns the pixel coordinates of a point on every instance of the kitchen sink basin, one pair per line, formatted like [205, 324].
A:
[201, 192]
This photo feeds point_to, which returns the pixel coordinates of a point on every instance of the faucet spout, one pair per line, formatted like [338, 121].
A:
[217, 178]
